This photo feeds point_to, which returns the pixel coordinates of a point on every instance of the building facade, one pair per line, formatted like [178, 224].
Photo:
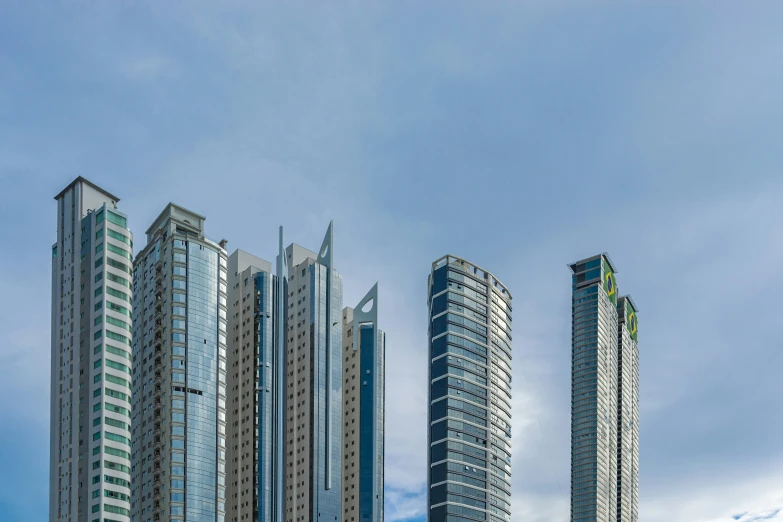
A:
[252, 401]
[469, 417]
[627, 411]
[90, 373]
[179, 388]
[604, 396]
[312, 305]
[364, 386]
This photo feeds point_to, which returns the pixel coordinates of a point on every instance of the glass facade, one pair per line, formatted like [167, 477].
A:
[470, 394]
[264, 337]
[604, 398]
[371, 423]
[203, 379]
[326, 354]
[179, 365]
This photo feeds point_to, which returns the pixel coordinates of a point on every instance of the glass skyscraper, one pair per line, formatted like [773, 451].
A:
[364, 374]
[604, 396]
[179, 368]
[469, 394]
[91, 352]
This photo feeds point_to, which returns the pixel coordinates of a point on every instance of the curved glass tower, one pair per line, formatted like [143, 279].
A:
[179, 368]
[470, 394]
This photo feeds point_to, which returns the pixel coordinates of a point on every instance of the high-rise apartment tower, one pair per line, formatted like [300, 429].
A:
[312, 307]
[604, 396]
[89, 477]
[469, 394]
[254, 455]
[179, 390]
[364, 374]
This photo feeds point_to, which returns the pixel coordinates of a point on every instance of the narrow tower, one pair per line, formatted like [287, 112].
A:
[364, 369]
[91, 353]
[251, 392]
[470, 394]
[627, 411]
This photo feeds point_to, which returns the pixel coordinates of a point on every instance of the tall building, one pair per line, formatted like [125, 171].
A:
[179, 369]
[627, 411]
[90, 434]
[312, 304]
[470, 394]
[604, 396]
[254, 457]
[364, 382]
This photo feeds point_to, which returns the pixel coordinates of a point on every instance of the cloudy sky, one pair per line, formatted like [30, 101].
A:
[519, 135]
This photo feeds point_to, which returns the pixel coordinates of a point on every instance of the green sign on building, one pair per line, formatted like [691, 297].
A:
[610, 283]
[631, 321]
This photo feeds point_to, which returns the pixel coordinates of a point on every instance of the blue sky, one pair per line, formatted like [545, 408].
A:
[519, 135]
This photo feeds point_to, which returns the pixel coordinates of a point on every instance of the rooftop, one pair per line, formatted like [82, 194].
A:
[585, 260]
[88, 183]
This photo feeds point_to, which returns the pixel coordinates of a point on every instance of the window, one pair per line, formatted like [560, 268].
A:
[116, 409]
[118, 337]
[117, 395]
[115, 423]
[117, 219]
[116, 264]
[117, 366]
[118, 279]
[116, 293]
[116, 322]
[117, 308]
[114, 509]
[119, 251]
[99, 247]
[117, 351]
[117, 380]
[119, 237]
[116, 438]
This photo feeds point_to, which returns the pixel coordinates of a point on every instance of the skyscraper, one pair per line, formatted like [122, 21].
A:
[604, 396]
[91, 352]
[628, 412]
[312, 303]
[254, 455]
[179, 368]
[364, 374]
[470, 394]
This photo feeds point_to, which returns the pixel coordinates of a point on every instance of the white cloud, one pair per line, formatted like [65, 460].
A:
[748, 496]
